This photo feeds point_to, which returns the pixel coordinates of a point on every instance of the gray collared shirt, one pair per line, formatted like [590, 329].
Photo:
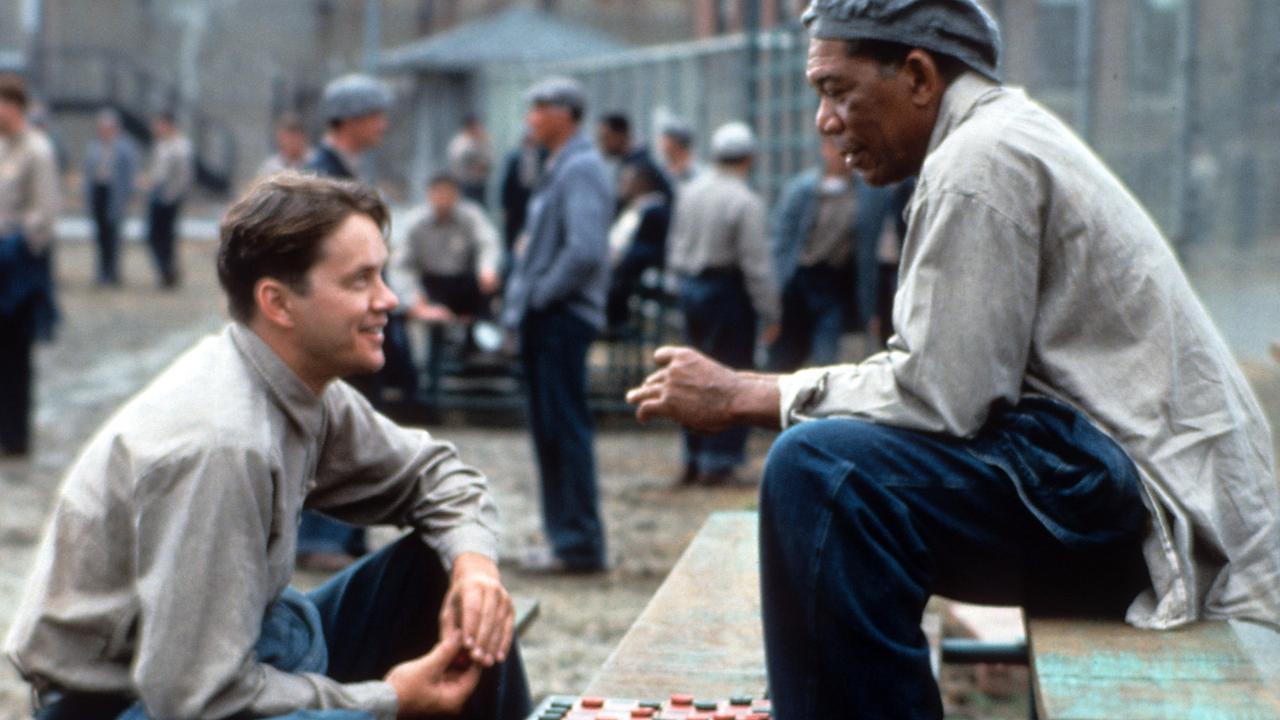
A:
[719, 223]
[28, 188]
[176, 528]
[463, 243]
[172, 168]
[1029, 267]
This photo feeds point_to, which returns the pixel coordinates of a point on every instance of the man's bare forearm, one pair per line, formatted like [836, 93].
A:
[757, 402]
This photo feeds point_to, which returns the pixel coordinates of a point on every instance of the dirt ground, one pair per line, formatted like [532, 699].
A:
[112, 342]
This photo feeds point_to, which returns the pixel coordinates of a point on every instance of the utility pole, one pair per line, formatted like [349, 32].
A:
[32, 16]
[1084, 76]
[1188, 87]
[372, 35]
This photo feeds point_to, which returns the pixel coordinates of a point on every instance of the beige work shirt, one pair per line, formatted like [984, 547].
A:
[176, 528]
[172, 168]
[464, 243]
[28, 188]
[1028, 266]
[719, 224]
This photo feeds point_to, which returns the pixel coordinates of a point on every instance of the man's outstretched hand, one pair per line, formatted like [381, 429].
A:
[437, 683]
[703, 395]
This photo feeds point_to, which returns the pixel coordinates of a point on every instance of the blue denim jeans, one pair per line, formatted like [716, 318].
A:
[812, 319]
[860, 523]
[720, 322]
[162, 235]
[553, 351]
[375, 614]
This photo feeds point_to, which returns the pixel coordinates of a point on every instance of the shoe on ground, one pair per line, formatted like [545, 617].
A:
[716, 478]
[544, 561]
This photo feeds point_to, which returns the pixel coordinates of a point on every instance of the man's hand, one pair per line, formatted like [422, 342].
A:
[488, 282]
[704, 395]
[478, 610]
[437, 683]
[430, 312]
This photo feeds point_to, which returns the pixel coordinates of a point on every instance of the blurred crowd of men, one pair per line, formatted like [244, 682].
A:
[591, 223]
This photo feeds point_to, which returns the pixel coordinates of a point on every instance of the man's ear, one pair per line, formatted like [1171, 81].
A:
[275, 302]
[924, 78]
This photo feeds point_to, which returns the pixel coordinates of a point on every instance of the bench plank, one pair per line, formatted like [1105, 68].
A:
[527, 609]
[1096, 670]
[700, 633]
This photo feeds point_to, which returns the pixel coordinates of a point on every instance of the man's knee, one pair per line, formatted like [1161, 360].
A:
[810, 459]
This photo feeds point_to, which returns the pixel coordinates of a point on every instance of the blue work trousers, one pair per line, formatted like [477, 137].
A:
[860, 523]
[553, 351]
[106, 235]
[377, 613]
[319, 533]
[162, 236]
[720, 322]
[812, 319]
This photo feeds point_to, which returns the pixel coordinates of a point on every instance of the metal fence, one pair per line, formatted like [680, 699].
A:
[1175, 105]
[705, 84]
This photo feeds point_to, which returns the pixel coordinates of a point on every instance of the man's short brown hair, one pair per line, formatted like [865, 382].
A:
[278, 227]
[13, 89]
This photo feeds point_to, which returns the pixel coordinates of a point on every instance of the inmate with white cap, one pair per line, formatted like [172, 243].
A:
[728, 294]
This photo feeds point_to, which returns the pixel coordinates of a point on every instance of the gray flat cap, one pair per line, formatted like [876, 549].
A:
[558, 90]
[678, 130]
[959, 28]
[352, 96]
[733, 141]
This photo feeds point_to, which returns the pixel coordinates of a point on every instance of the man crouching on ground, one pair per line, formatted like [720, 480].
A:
[161, 587]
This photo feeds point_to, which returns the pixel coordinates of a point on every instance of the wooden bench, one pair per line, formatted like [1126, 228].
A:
[700, 633]
[1106, 670]
[527, 609]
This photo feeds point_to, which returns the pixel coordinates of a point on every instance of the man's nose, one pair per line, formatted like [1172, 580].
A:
[385, 300]
[827, 121]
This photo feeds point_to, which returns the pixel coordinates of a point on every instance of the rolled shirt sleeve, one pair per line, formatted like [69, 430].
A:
[488, 246]
[202, 526]
[964, 316]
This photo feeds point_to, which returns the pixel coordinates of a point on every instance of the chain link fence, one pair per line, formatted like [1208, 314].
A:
[1171, 93]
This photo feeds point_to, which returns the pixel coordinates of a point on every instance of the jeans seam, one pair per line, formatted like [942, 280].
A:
[840, 475]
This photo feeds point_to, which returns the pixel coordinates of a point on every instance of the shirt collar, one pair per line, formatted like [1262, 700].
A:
[350, 162]
[572, 146]
[290, 393]
[958, 102]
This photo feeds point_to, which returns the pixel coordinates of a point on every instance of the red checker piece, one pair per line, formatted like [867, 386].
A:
[592, 703]
[681, 699]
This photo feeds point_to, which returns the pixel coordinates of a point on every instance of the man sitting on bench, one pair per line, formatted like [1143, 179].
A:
[1056, 421]
[161, 587]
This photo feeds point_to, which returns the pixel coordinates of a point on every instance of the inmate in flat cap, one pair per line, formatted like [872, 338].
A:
[958, 28]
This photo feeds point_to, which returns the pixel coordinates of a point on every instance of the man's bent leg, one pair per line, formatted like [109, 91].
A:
[860, 524]
[385, 609]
